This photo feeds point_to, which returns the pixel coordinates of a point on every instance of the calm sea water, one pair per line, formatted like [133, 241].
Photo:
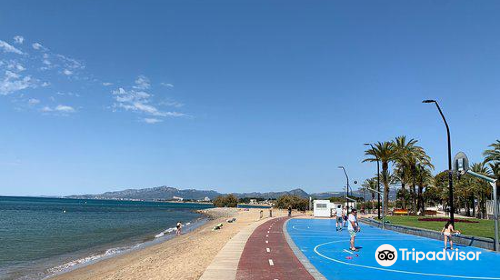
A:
[42, 236]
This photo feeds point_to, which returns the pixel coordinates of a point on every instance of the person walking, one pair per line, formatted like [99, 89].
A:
[344, 216]
[290, 211]
[353, 228]
[179, 228]
[339, 217]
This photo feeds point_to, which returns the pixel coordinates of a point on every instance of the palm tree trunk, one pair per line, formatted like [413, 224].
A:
[421, 201]
[373, 203]
[403, 185]
[385, 167]
[473, 206]
[413, 199]
[467, 207]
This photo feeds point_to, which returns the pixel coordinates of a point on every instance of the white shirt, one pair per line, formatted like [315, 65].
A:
[339, 212]
[352, 218]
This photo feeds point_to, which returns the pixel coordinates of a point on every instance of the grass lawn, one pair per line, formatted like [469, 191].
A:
[484, 228]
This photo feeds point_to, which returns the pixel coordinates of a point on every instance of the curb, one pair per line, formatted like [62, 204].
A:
[302, 258]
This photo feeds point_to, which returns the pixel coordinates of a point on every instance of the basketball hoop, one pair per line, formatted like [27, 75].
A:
[461, 163]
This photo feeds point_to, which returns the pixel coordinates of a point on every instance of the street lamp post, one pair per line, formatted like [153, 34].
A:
[346, 188]
[378, 181]
[450, 172]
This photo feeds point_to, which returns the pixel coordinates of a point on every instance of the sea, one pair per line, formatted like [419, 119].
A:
[41, 237]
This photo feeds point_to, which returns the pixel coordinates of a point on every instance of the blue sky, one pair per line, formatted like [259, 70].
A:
[236, 96]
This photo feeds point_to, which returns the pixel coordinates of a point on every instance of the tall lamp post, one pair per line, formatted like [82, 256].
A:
[378, 180]
[450, 171]
[346, 188]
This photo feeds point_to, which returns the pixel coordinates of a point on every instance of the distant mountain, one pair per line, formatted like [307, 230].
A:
[297, 192]
[168, 193]
[324, 195]
[157, 193]
[359, 193]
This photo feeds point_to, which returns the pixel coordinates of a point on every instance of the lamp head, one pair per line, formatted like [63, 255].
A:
[429, 101]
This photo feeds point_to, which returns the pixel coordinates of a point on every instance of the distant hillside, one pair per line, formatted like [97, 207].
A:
[297, 192]
[168, 193]
[157, 193]
[366, 195]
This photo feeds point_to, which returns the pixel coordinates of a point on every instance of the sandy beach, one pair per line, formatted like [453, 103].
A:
[183, 257]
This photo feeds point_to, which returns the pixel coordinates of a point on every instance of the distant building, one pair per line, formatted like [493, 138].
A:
[253, 201]
[206, 199]
[177, 198]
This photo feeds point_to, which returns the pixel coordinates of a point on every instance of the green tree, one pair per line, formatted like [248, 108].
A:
[229, 200]
[369, 185]
[410, 159]
[424, 179]
[385, 153]
[492, 158]
[296, 202]
[481, 188]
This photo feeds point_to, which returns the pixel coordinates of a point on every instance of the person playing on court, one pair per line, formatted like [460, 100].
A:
[339, 217]
[353, 227]
[344, 216]
[448, 231]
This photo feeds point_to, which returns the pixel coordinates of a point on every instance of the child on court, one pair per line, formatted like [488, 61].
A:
[448, 231]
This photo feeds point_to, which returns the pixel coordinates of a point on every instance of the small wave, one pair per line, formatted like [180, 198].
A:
[71, 264]
[109, 252]
[169, 230]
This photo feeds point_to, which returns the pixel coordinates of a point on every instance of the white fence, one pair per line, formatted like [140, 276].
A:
[489, 207]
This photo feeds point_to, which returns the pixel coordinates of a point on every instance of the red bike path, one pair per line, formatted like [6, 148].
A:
[267, 255]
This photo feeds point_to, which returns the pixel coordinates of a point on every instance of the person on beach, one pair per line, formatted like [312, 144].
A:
[179, 228]
[290, 211]
[353, 228]
[339, 217]
[448, 231]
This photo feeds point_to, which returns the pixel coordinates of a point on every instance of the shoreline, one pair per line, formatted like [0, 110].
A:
[180, 257]
[116, 251]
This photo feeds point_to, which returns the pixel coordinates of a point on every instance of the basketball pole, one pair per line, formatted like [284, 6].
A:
[495, 203]
[383, 216]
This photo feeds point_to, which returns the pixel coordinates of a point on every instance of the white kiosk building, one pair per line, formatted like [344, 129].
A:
[322, 208]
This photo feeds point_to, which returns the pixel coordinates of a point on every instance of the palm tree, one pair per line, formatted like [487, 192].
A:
[492, 157]
[481, 188]
[402, 162]
[370, 183]
[385, 153]
[408, 156]
[424, 179]
[493, 154]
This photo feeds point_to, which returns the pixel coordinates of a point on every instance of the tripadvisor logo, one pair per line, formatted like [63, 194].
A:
[387, 255]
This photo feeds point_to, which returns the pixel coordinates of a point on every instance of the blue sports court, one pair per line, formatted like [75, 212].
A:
[328, 251]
